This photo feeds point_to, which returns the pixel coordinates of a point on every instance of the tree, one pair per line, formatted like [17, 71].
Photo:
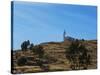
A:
[85, 59]
[31, 46]
[83, 40]
[25, 45]
[21, 61]
[77, 54]
[72, 53]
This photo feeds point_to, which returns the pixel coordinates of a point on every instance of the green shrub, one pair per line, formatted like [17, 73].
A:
[21, 61]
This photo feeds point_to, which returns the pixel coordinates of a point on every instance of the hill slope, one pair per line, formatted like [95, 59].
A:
[54, 57]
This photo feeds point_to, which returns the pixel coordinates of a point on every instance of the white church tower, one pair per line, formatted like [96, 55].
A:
[64, 35]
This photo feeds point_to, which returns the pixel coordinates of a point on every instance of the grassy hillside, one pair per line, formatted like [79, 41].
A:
[54, 58]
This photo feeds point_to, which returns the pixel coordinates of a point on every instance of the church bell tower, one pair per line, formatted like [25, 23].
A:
[64, 35]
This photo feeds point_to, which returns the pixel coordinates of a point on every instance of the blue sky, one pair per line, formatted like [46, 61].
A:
[44, 22]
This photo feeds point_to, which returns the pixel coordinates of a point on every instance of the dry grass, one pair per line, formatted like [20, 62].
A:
[57, 51]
